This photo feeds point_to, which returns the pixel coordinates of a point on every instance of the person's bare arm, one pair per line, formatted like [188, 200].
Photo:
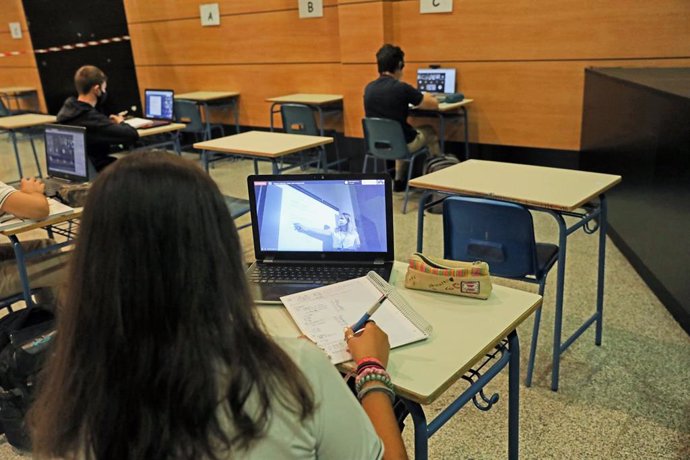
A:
[29, 201]
[428, 103]
[372, 342]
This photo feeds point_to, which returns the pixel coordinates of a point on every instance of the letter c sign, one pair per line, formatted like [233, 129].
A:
[435, 6]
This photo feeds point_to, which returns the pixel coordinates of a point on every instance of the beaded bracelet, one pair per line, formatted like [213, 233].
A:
[369, 371]
[370, 389]
[385, 379]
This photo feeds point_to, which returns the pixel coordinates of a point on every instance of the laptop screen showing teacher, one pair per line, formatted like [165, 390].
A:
[158, 104]
[436, 80]
[321, 216]
[66, 152]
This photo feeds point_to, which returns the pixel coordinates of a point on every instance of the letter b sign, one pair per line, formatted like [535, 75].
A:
[310, 8]
[436, 6]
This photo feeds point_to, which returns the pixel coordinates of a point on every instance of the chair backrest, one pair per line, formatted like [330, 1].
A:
[385, 138]
[188, 112]
[499, 233]
[299, 119]
[4, 111]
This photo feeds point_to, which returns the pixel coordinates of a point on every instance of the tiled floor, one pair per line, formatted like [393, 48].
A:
[629, 398]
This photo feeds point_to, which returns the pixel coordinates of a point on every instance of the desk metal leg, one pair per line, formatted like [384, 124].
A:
[466, 122]
[13, 138]
[272, 112]
[33, 148]
[560, 287]
[21, 268]
[442, 132]
[276, 168]
[514, 396]
[236, 110]
[420, 220]
[603, 216]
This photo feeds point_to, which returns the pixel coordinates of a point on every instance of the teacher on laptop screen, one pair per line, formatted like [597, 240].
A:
[102, 131]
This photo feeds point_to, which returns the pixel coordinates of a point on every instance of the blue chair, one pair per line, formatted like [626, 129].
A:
[188, 112]
[299, 119]
[237, 207]
[501, 234]
[386, 141]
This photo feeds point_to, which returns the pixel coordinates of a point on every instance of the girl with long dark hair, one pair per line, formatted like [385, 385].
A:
[159, 352]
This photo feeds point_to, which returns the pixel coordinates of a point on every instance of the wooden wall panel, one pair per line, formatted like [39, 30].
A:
[165, 10]
[364, 27]
[254, 82]
[278, 37]
[18, 70]
[539, 29]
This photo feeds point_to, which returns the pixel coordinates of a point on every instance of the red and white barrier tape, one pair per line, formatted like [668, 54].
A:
[55, 49]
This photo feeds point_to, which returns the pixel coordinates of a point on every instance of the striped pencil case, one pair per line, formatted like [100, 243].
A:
[470, 279]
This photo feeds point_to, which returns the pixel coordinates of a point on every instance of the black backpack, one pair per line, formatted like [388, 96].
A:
[25, 338]
[434, 164]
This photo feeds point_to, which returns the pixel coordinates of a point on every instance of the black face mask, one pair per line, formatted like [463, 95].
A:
[102, 97]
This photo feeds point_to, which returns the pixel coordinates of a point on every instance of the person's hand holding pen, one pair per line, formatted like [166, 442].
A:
[369, 342]
[119, 118]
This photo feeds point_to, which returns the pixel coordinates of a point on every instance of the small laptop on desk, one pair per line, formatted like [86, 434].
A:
[316, 229]
[158, 109]
[439, 82]
[66, 158]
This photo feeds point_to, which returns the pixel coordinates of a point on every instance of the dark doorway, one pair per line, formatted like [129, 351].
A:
[67, 22]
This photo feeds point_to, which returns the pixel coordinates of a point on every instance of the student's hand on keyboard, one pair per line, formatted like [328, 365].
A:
[32, 185]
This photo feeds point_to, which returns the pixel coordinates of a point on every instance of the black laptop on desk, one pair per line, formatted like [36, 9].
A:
[66, 158]
[158, 109]
[316, 229]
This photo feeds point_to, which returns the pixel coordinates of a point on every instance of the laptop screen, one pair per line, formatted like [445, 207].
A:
[341, 217]
[159, 104]
[436, 80]
[66, 152]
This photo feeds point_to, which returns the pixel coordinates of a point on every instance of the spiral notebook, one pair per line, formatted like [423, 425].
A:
[322, 314]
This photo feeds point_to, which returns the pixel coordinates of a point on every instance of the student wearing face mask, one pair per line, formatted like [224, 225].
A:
[102, 131]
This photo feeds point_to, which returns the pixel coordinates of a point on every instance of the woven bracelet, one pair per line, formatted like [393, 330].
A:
[373, 388]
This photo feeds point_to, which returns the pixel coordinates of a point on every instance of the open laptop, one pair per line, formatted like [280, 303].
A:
[158, 109]
[66, 159]
[439, 82]
[316, 229]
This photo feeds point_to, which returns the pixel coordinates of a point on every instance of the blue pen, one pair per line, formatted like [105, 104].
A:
[360, 324]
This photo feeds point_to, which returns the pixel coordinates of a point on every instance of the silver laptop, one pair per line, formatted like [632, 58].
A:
[439, 82]
[316, 229]
[66, 158]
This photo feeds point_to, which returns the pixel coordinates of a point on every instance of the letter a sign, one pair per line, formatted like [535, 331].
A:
[210, 14]
[310, 9]
[436, 6]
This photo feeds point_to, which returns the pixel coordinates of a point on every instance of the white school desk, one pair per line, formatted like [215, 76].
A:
[220, 99]
[172, 130]
[18, 92]
[453, 110]
[15, 123]
[464, 331]
[262, 145]
[21, 256]
[558, 192]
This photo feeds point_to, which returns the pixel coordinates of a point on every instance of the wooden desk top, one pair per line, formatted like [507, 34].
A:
[25, 121]
[161, 129]
[14, 90]
[204, 96]
[309, 99]
[263, 144]
[551, 188]
[464, 330]
[43, 223]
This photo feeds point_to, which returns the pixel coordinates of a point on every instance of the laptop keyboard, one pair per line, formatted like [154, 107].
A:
[309, 274]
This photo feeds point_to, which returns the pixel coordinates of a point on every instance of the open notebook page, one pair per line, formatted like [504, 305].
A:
[323, 313]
